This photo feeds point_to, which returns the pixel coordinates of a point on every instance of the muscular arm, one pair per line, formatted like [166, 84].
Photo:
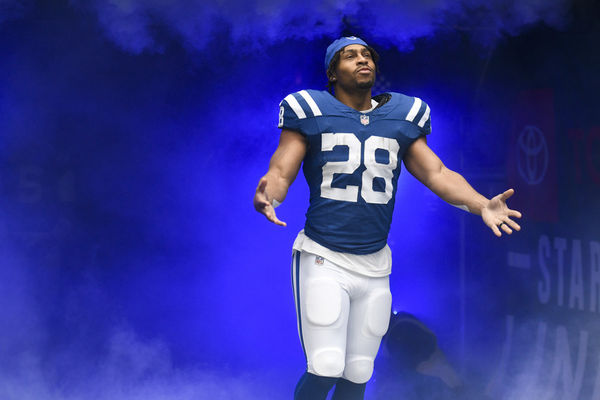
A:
[283, 169]
[426, 166]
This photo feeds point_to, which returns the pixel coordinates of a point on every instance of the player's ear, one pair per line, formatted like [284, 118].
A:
[331, 77]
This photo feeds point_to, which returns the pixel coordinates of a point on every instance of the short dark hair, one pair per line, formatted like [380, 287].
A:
[333, 64]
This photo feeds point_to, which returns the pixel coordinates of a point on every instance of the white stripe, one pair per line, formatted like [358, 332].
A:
[295, 106]
[313, 106]
[296, 294]
[294, 274]
[424, 118]
[414, 110]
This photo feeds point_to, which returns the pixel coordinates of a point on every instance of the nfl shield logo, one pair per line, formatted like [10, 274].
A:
[364, 119]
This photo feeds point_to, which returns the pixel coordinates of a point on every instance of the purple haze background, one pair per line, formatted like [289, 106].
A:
[132, 135]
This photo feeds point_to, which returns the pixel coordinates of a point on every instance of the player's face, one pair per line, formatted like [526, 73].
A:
[356, 68]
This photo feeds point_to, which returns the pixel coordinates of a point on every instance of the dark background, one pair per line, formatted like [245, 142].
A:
[132, 136]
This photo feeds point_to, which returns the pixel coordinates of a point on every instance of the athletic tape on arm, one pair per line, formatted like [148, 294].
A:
[461, 206]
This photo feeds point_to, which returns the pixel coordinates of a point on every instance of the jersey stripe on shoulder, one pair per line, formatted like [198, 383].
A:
[311, 103]
[291, 100]
[414, 110]
[425, 117]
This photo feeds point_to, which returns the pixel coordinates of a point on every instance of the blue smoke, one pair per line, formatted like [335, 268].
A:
[135, 25]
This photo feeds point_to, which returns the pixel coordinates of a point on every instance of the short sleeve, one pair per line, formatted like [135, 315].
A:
[418, 118]
[294, 111]
[423, 117]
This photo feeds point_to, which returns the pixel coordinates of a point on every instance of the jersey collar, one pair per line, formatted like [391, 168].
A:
[347, 109]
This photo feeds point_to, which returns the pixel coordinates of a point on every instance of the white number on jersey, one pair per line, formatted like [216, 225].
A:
[328, 142]
[281, 111]
[373, 168]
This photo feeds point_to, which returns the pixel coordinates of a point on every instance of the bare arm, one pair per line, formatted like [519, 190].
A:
[283, 169]
[426, 166]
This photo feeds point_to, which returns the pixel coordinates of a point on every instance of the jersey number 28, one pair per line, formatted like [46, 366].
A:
[373, 168]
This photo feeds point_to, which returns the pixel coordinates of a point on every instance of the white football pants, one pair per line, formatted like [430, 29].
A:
[342, 317]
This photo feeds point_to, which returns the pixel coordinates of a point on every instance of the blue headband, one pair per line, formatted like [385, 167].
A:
[340, 44]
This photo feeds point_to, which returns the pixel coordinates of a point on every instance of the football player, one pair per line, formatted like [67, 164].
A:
[351, 145]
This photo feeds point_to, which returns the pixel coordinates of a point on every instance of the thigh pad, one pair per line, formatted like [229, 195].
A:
[323, 302]
[378, 312]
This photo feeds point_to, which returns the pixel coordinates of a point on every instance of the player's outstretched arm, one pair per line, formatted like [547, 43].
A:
[283, 169]
[426, 166]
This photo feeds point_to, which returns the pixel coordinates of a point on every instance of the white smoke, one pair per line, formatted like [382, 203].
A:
[131, 369]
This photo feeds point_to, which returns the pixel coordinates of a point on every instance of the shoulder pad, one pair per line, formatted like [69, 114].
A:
[296, 107]
[414, 110]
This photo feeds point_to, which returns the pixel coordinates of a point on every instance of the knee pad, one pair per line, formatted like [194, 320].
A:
[323, 302]
[378, 312]
[358, 370]
[328, 362]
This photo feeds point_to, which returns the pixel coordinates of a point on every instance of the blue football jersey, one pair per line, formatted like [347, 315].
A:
[352, 164]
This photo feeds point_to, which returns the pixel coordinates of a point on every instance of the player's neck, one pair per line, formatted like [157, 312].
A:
[359, 99]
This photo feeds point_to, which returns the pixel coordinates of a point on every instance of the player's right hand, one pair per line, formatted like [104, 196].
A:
[262, 203]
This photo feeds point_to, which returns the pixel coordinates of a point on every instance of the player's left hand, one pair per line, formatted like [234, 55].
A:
[496, 214]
